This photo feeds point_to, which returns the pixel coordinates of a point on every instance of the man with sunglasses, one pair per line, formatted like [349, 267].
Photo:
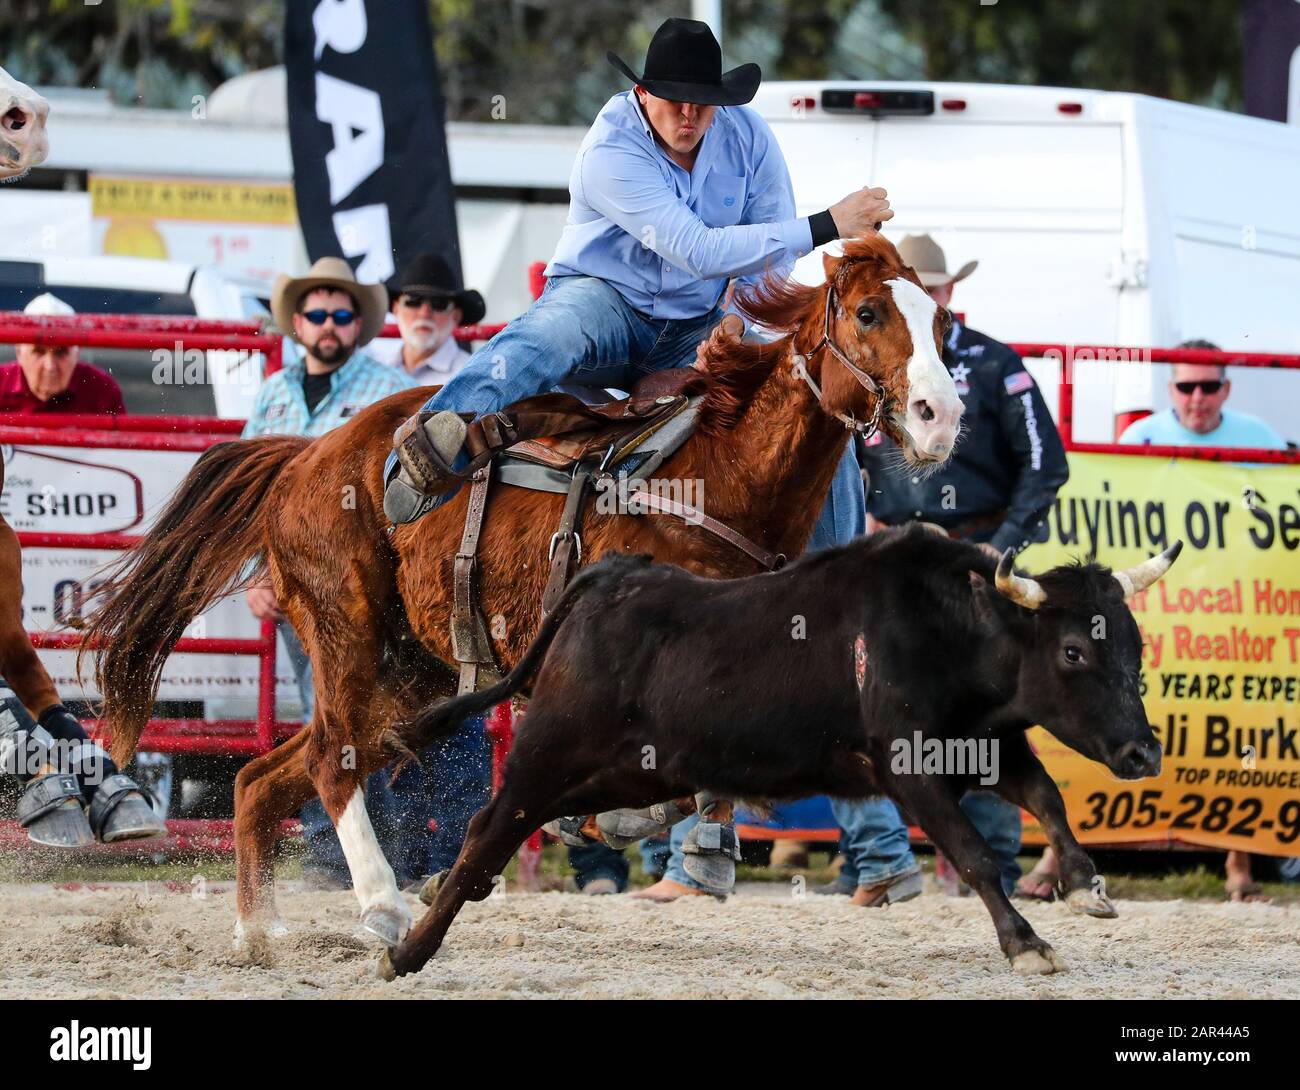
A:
[1196, 418]
[331, 317]
[429, 306]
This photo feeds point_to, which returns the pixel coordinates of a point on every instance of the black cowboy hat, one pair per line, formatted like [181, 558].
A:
[429, 274]
[684, 64]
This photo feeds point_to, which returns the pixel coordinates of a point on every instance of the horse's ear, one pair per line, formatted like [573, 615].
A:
[830, 263]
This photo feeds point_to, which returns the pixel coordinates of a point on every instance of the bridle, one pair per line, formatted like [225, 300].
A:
[799, 365]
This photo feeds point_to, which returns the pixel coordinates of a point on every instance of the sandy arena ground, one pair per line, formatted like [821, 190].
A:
[122, 942]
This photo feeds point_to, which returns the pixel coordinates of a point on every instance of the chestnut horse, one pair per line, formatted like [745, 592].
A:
[372, 604]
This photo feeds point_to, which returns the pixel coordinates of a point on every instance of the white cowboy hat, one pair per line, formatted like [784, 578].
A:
[336, 273]
[926, 257]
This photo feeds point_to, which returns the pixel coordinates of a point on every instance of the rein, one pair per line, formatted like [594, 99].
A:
[799, 365]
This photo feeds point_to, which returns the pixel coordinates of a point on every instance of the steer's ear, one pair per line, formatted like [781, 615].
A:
[982, 594]
[994, 612]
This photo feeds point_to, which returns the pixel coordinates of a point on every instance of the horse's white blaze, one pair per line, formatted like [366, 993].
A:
[372, 877]
[928, 379]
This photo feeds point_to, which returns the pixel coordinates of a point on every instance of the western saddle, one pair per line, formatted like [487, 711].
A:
[565, 443]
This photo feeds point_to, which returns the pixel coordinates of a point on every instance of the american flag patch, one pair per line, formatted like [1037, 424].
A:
[1019, 382]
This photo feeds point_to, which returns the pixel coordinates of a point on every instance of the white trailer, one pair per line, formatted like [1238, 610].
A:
[1097, 218]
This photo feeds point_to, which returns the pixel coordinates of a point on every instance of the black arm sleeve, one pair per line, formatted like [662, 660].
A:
[823, 228]
[1030, 431]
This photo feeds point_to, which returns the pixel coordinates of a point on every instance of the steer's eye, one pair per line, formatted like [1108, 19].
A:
[866, 316]
[1074, 655]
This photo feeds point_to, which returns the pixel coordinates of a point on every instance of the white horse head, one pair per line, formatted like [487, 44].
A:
[23, 140]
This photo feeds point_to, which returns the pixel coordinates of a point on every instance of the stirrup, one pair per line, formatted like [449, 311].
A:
[426, 445]
[119, 811]
[623, 828]
[51, 810]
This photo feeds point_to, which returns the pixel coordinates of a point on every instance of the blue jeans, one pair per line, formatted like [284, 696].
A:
[656, 854]
[453, 783]
[593, 861]
[998, 822]
[875, 839]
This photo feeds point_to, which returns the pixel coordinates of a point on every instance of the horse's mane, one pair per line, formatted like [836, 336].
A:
[737, 368]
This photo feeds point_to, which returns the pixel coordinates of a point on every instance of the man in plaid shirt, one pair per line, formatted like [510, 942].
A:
[333, 381]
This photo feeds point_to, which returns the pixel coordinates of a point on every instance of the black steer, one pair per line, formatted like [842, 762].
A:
[816, 680]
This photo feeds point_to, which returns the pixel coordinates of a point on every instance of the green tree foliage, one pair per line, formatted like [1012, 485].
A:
[1181, 49]
[144, 52]
[543, 61]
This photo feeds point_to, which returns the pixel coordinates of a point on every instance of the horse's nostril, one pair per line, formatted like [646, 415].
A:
[15, 120]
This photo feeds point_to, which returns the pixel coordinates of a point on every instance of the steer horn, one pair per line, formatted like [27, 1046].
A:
[1022, 591]
[1139, 577]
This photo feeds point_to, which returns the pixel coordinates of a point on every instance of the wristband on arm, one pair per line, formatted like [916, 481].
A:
[823, 228]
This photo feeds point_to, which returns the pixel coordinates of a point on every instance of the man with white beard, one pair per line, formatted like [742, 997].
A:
[429, 306]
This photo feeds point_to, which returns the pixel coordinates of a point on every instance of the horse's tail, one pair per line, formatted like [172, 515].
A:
[201, 548]
[439, 720]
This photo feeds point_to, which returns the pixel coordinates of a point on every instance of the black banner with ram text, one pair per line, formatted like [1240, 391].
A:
[366, 129]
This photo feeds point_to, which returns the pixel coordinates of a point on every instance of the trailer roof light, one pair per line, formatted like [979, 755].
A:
[878, 103]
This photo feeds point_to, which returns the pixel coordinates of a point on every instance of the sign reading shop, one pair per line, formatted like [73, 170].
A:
[47, 492]
[66, 491]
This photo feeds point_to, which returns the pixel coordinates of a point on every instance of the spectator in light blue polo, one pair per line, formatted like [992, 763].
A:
[332, 316]
[1197, 417]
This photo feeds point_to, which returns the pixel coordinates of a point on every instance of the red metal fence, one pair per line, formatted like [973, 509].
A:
[170, 433]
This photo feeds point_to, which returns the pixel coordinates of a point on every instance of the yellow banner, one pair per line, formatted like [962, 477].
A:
[1221, 647]
[190, 199]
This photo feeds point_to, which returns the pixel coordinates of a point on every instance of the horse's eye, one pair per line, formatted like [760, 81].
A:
[866, 315]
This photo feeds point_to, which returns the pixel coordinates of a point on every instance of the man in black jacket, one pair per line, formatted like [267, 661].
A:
[995, 490]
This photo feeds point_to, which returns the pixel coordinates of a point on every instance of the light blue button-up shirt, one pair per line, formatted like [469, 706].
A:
[669, 239]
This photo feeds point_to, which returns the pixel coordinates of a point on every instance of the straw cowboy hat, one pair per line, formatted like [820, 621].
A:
[684, 64]
[336, 273]
[926, 257]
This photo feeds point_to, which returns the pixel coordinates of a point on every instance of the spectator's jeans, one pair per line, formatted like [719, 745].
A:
[998, 822]
[593, 861]
[875, 839]
[454, 782]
